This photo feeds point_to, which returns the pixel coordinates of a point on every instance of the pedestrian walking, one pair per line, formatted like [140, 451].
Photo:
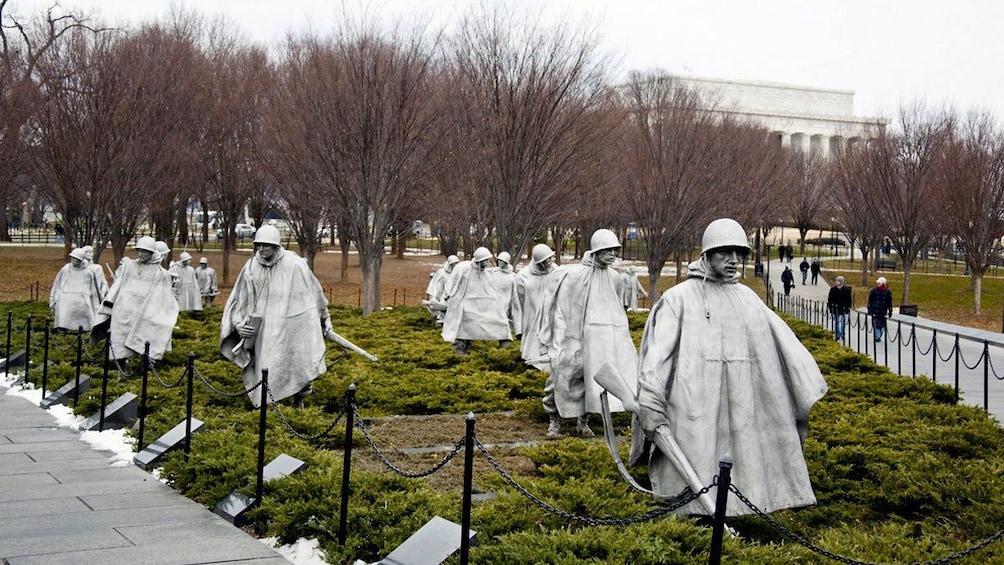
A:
[787, 279]
[880, 306]
[804, 268]
[814, 268]
[838, 303]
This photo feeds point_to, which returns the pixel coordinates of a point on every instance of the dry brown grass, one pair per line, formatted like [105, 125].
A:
[28, 272]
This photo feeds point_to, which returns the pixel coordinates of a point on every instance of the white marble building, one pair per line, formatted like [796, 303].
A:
[812, 119]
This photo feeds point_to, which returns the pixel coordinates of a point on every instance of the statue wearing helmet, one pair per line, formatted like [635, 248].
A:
[206, 277]
[140, 306]
[276, 318]
[474, 306]
[721, 374]
[186, 285]
[76, 294]
[529, 293]
[584, 326]
[435, 301]
[502, 278]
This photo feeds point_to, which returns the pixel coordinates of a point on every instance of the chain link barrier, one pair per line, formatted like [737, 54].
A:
[685, 497]
[278, 411]
[156, 375]
[983, 353]
[829, 554]
[937, 351]
[222, 392]
[912, 337]
[930, 346]
[993, 371]
[383, 459]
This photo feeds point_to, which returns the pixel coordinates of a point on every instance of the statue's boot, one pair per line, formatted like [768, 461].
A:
[582, 426]
[554, 427]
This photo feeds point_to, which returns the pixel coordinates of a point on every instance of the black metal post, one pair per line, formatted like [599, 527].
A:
[80, 360]
[934, 357]
[721, 500]
[899, 347]
[27, 350]
[104, 387]
[860, 329]
[913, 342]
[986, 375]
[190, 369]
[142, 396]
[10, 328]
[45, 358]
[262, 413]
[958, 355]
[465, 511]
[350, 403]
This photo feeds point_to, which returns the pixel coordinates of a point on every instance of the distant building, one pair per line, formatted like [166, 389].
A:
[816, 120]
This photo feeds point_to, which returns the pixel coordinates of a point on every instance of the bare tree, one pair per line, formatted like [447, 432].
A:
[855, 204]
[807, 194]
[532, 99]
[974, 194]
[229, 141]
[674, 161]
[902, 171]
[23, 45]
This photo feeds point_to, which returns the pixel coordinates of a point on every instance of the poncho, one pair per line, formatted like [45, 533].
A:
[582, 327]
[529, 293]
[474, 308]
[206, 277]
[186, 288]
[143, 309]
[728, 377]
[290, 340]
[76, 297]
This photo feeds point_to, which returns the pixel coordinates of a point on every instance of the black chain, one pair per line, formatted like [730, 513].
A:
[990, 363]
[682, 499]
[978, 361]
[955, 349]
[305, 437]
[156, 375]
[829, 554]
[224, 393]
[411, 475]
[933, 344]
[912, 337]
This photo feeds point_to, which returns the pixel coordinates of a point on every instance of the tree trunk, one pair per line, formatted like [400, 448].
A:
[978, 293]
[345, 245]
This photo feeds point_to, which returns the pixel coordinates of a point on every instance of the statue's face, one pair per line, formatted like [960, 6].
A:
[605, 257]
[482, 265]
[76, 262]
[724, 262]
[266, 251]
[144, 255]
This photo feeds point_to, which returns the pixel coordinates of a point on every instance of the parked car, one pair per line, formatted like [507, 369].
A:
[242, 231]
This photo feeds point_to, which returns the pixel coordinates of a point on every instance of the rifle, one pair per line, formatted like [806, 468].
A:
[614, 383]
[110, 271]
[333, 336]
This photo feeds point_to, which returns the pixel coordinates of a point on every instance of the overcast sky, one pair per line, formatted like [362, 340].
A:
[887, 52]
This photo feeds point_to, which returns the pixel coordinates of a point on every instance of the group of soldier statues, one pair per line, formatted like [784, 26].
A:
[717, 375]
[141, 306]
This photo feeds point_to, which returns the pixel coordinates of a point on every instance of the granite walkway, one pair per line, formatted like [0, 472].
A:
[62, 502]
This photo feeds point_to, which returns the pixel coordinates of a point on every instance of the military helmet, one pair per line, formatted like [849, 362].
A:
[78, 253]
[203, 261]
[185, 256]
[541, 252]
[452, 260]
[603, 239]
[267, 234]
[724, 232]
[481, 254]
[504, 256]
[147, 243]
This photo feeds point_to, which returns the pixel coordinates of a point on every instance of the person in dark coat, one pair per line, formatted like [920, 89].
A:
[789, 252]
[804, 268]
[814, 269]
[880, 306]
[838, 302]
[787, 279]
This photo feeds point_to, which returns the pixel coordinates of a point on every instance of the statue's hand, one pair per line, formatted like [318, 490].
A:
[247, 331]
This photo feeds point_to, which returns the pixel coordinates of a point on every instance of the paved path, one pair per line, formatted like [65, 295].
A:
[908, 346]
[61, 502]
